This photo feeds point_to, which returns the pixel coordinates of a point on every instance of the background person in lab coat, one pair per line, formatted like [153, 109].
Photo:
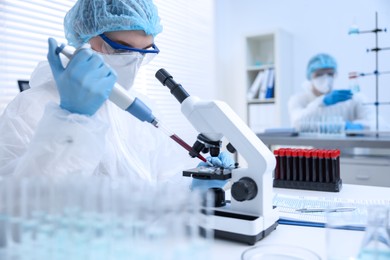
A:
[63, 124]
[319, 100]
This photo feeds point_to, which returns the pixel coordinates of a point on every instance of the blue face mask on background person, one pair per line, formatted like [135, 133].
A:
[323, 84]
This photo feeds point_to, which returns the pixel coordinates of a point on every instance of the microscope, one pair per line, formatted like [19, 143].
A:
[249, 216]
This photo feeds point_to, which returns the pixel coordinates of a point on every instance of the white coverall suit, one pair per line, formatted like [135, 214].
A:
[38, 137]
[306, 105]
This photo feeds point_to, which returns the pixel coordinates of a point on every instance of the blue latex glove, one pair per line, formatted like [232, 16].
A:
[337, 96]
[353, 126]
[223, 160]
[85, 84]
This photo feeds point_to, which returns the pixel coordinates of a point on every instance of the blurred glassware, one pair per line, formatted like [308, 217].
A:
[96, 218]
[279, 252]
[376, 241]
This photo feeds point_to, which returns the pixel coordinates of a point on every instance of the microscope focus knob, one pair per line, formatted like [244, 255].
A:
[244, 189]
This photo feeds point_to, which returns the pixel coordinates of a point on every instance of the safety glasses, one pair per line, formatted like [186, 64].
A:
[117, 48]
[320, 73]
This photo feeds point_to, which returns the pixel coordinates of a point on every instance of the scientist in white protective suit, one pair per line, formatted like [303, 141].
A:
[320, 100]
[63, 124]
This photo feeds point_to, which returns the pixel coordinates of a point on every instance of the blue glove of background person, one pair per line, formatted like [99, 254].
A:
[353, 126]
[337, 96]
[85, 84]
[223, 160]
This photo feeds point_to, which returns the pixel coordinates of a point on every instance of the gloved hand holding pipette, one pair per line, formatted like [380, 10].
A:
[85, 84]
[87, 76]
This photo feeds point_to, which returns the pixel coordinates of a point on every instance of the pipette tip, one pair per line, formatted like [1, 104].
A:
[210, 164]
[204, 160]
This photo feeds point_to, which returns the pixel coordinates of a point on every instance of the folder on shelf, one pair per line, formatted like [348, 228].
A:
[269, 92]
[253, 91]
[263, 87]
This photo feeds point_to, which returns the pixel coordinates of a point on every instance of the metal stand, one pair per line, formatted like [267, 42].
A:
[376, 72]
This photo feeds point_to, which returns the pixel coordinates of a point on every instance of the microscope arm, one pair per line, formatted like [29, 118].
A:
[215, 119]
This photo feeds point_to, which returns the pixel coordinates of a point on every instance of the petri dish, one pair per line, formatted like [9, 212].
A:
[278, 252]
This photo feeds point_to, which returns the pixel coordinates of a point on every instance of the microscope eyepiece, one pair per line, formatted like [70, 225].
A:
[176, 89]
[162, 75]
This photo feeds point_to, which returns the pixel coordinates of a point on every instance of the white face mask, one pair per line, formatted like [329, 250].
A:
[126, 67]
[323, 84]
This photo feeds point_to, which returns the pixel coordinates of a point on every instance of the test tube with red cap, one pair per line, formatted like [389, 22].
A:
[314, 158]
[321, 165]
[328, 166]
[277, 168]
[282, 160]
[294, 159]
[301, 165]
[288, 164]
[336, 164]
[308, 165]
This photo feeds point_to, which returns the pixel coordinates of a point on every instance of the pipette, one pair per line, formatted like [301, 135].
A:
[120, 97]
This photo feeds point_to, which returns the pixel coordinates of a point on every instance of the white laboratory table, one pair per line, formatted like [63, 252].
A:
[312, 238]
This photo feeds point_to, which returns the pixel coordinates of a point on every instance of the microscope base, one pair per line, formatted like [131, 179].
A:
[241, 228]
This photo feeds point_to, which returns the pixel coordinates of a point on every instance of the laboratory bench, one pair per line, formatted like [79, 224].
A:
[364, 160]
[312, 238]
[328, 141]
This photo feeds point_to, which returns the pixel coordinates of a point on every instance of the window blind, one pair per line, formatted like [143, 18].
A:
[186, 45]
[25, 27]
[187, 52]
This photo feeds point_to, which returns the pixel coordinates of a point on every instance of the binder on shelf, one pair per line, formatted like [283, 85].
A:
[253, 91]
[270, 85]
[263, 87]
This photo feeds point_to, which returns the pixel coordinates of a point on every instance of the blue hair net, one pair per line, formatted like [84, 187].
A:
[320, 61]
[89, 18]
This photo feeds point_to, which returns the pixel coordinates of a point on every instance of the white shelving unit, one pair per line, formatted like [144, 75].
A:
[264, 52]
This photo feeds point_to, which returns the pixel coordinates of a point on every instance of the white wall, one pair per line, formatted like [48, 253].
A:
[316, 26]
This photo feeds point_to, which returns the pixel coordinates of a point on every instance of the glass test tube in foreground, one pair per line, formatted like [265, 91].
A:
[96, 218]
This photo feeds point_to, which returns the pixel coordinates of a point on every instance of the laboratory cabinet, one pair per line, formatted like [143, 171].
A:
[269, 81]
[366, 170]
[364, 160]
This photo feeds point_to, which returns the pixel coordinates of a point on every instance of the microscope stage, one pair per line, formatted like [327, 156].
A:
[208, 173]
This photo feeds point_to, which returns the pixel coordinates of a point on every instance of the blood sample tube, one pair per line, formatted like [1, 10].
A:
[282, 160]
[277, 168]
[335, 176]
[314, 156]
[301, 165]
[309, 163]
[328, 166]
[338, 165]
[294, 159]
[321, 166]
[288, 164]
